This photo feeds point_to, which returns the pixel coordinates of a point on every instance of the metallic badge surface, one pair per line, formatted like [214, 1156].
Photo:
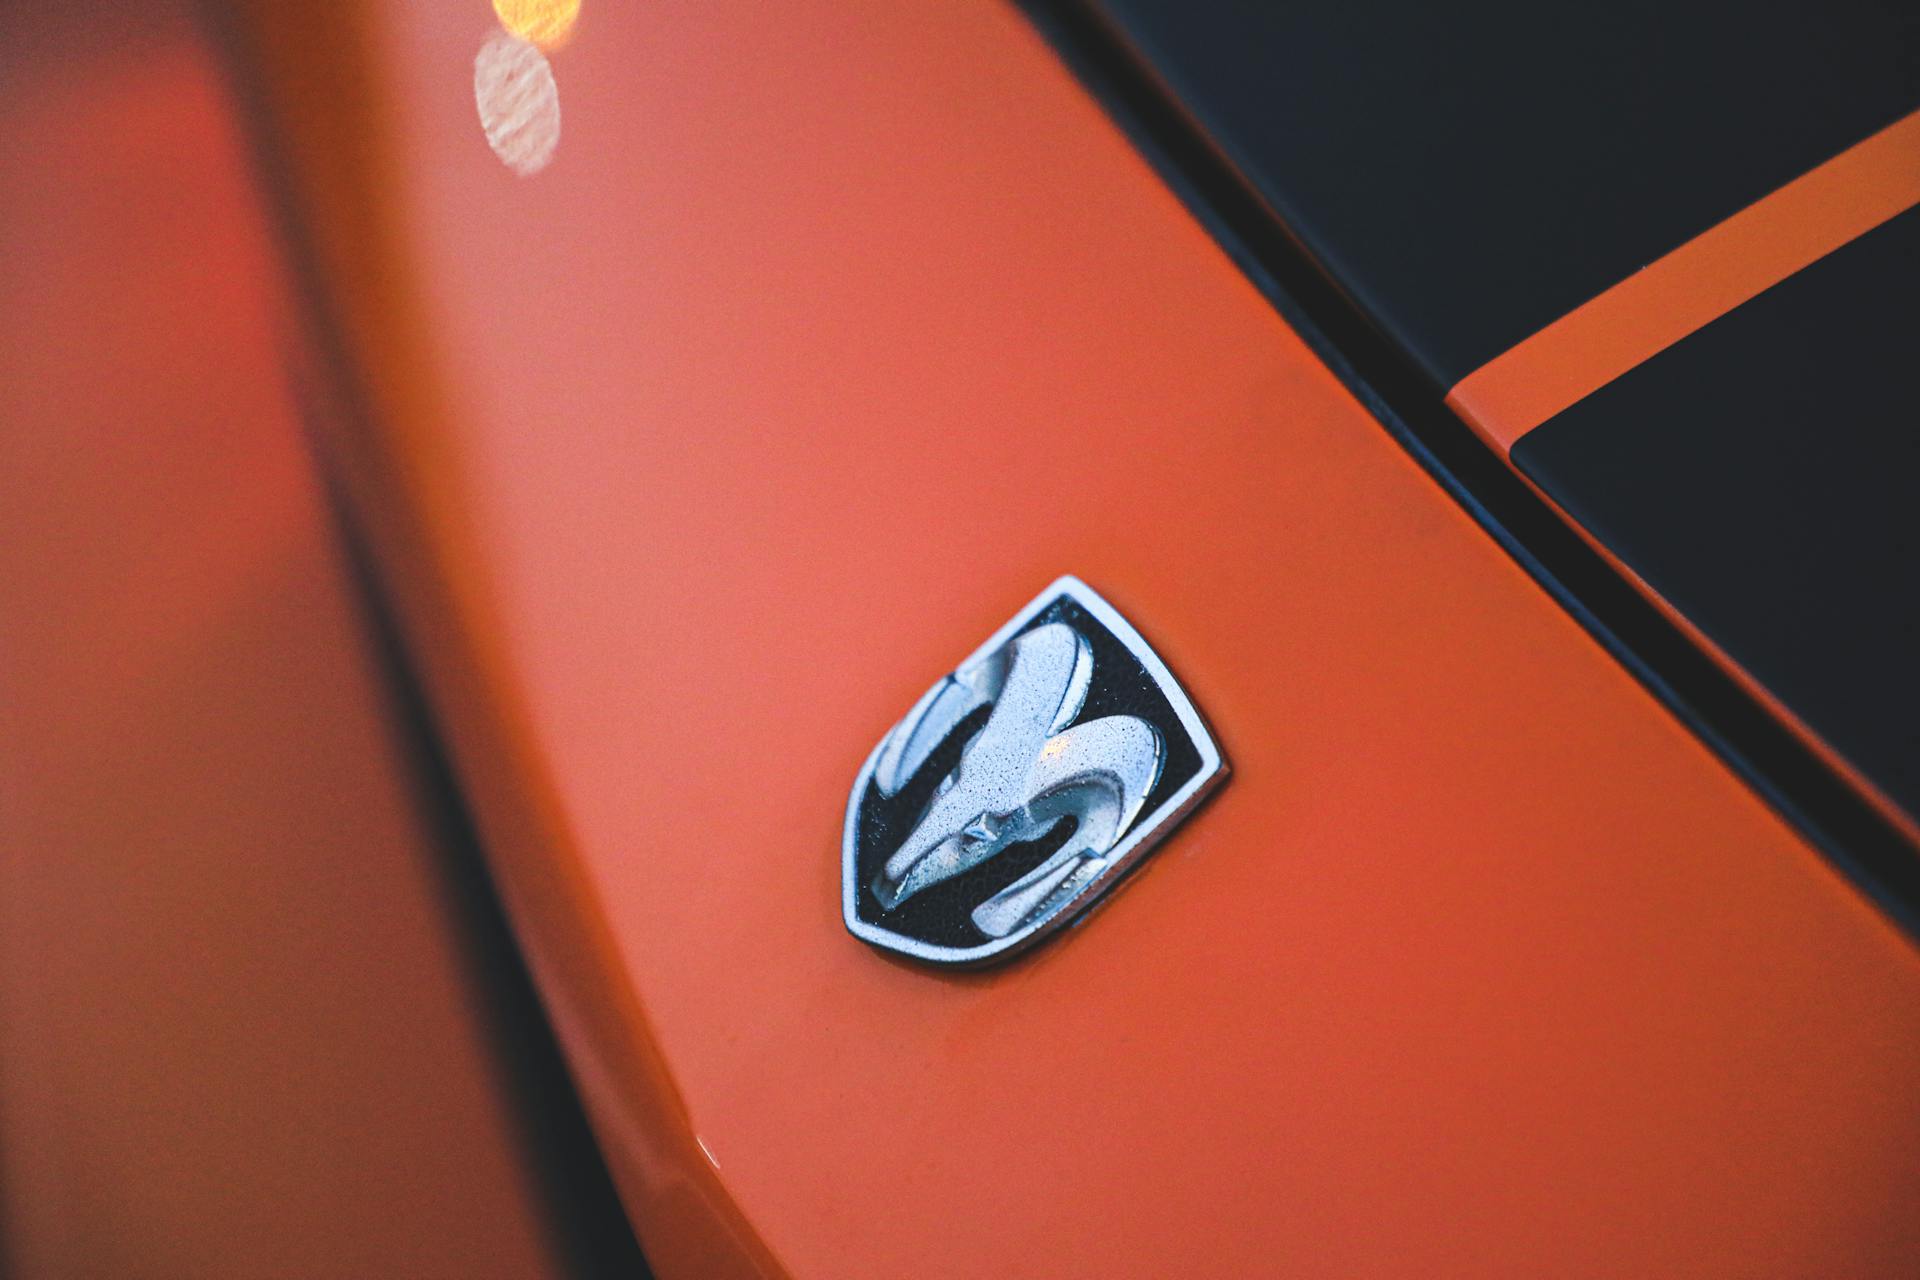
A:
[1022, 787]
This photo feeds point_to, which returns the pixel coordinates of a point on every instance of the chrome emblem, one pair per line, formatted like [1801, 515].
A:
[1022, 787]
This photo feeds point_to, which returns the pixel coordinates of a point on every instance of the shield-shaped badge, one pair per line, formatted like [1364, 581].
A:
[1022, 786]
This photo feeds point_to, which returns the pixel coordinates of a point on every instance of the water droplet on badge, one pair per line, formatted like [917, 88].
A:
[518, 101]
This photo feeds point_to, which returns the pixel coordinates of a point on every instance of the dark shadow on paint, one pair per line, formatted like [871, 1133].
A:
[581, 1207]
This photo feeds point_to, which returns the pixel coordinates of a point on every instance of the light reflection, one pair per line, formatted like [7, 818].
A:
[546, 23]
[518, 101]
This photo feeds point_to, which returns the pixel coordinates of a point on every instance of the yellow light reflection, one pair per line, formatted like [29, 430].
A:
[546, 23]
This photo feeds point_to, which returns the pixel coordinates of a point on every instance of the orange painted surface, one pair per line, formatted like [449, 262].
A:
[830, 335]
[1695, 284]
[242, 1033]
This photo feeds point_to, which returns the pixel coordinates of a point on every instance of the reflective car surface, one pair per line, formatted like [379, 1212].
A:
[685, 388]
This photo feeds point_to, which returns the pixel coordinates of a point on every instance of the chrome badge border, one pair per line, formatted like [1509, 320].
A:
[1147, 831]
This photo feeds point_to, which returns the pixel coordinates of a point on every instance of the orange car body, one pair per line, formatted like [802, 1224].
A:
[1480, 962]
[831, 334]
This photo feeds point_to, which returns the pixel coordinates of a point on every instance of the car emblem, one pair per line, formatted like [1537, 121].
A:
[1023, 786]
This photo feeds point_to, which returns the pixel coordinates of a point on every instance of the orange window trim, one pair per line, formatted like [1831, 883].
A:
[1708, 276]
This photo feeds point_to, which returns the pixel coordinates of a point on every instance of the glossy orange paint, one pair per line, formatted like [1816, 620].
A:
[832, 333]
[245, 1032]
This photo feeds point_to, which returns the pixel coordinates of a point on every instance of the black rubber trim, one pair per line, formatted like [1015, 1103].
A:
[1786, 773]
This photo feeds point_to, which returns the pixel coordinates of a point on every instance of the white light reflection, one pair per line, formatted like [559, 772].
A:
[519, 103]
